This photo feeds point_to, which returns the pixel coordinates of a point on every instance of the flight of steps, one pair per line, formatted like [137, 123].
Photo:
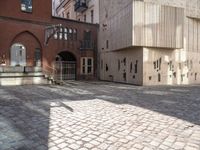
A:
[12, 76]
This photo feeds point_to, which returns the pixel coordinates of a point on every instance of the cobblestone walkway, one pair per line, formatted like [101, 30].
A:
[99, 116]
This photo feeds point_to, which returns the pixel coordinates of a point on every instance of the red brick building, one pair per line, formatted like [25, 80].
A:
[22, 38]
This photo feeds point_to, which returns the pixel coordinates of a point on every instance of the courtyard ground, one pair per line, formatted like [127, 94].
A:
[99, 115]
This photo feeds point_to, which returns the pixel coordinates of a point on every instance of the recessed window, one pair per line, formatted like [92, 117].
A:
[75, 34]
[107, 44]
[61, 34]
[26, 5]
[68, 15]
[70, 34]
[65, 33]
[87, 66]
[84, 18]
[92, 16]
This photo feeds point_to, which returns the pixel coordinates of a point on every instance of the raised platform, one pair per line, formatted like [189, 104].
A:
[19, 69]
[11, 76]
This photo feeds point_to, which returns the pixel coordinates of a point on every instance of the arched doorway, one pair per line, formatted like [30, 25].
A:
[66, 66]
[27, 47]
[18, 55]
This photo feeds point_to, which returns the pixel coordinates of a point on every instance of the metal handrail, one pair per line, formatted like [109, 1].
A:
[52, 73]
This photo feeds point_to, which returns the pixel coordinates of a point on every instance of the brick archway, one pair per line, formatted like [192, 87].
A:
[32, 45]
[66, 65]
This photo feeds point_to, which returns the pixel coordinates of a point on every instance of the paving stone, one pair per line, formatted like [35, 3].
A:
[108, 116]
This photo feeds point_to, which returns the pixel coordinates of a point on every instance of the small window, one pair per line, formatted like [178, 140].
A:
[106, 67]
[195, 76]
[131, 67]
[136, 67]
[84, 18]
[61, 34]
[26, 5]
[101, 64]
[154, 63]
[92, 16]
[160, 62]
[68, 15]
[119, 65]
[107, 44]
[55, 36]
[65, 33]
[70, 34]
[37, 57]
[159, 77]
[87, 66]
[75, 34]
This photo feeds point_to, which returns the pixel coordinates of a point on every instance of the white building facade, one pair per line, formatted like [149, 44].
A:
[80, 10]
[150, 42]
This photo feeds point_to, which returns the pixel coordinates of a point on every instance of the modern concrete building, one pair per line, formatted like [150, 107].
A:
[33, 42]
[148, 42]
[55, 4]
[81, 10]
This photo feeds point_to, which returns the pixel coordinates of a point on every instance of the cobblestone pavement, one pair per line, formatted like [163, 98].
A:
[99, 115]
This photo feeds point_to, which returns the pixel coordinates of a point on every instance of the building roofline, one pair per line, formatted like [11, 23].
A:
[45, 23]
[75, 21]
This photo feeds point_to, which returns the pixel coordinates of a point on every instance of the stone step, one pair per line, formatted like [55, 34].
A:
[12, 75]
[13, 81]
[19, 69]
[20, 78]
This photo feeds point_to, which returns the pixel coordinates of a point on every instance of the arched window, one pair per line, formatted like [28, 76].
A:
[70, 34]
[65, 34]
[55, 36]
[18, 55]
[75, 34]
[61, 34]
[26, 5]
[37, 57]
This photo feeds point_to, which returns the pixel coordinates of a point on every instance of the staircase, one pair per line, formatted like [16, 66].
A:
[12, 76]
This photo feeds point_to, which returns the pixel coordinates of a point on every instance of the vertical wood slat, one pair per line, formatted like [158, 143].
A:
[157, 25]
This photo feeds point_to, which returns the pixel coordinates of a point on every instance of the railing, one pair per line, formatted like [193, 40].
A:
[50, 73]
[80, 5]
[62, 70]
[87, 44]
[66, 70]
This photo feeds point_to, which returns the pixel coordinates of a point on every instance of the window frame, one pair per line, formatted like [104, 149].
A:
[26, 11]
[85, 66]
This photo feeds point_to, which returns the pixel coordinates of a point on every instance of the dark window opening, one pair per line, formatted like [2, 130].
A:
[124, 61]
[119, 65]
[106, 67]
[159, 77]
[37, 57]
[75, 34]
[160, 61]
[84, 18]
[68, 15]
[26, 5]
[92, 16]
[154, 63]
[157, 65]
[131, 67]
[101, 64]
[124, 75]
[150, 77]
[174, 74]
[107, 44]
[136, 67]
[195, 76]
[182, 78]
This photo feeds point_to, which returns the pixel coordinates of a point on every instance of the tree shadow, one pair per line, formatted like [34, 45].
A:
[25, 111]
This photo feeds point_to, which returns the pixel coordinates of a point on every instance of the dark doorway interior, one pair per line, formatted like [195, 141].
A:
[66, 66]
